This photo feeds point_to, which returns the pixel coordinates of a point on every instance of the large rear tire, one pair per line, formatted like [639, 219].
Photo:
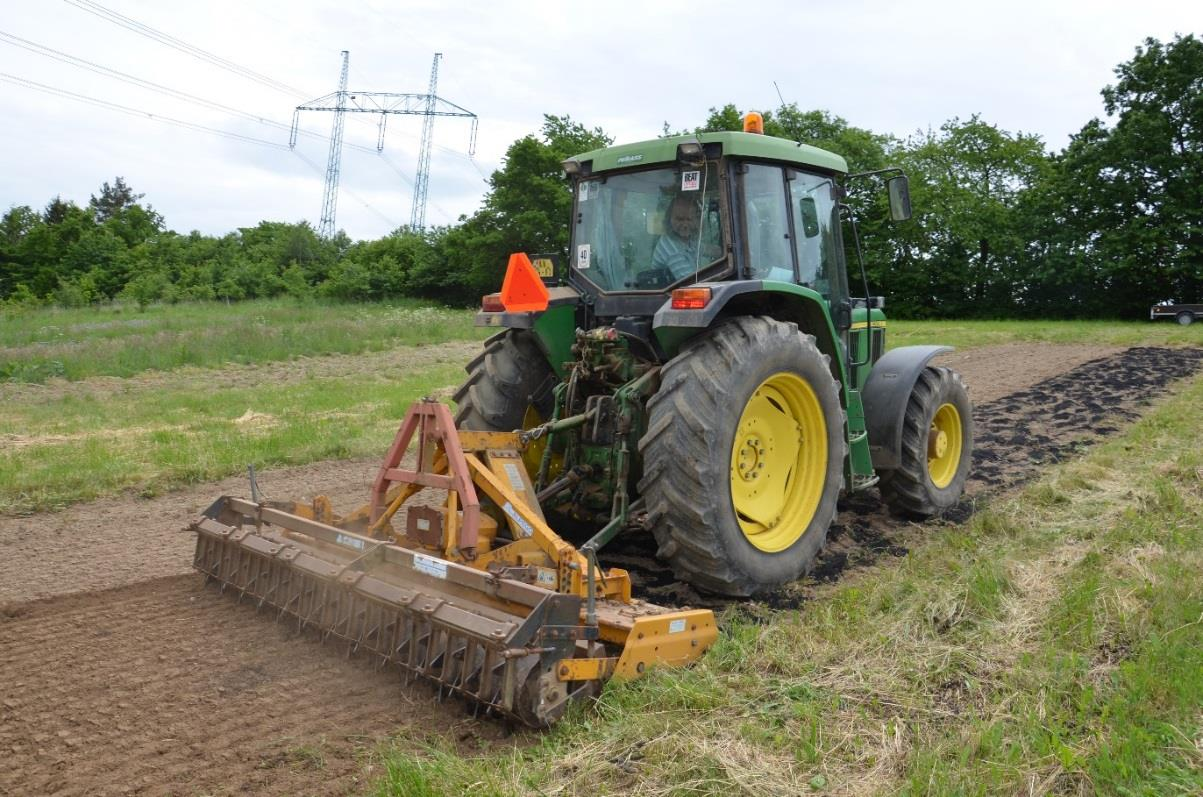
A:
[937, 447]
[509, 386]
[743, 457]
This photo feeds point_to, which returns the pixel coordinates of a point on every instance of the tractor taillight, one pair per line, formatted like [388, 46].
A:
[491, 303]
[690, 298]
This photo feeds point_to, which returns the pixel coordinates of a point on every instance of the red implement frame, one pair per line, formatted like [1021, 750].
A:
[435, 435]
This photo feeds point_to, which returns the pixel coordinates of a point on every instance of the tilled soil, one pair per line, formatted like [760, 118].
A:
[167, 687]
[115, 541]
[142, 681]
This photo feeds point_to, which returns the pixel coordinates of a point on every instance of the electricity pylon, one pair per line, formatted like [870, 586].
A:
[428, 105]
[325, 227]
[417, 219]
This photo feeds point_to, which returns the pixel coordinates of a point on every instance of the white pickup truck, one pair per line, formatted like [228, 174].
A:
[1182, 313]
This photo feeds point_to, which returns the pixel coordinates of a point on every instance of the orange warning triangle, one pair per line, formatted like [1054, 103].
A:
[523, 289]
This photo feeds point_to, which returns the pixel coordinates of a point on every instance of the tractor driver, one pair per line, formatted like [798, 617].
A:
[677, 250]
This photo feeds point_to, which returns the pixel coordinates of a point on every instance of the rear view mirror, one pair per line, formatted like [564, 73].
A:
[810, 216]
[900, 198]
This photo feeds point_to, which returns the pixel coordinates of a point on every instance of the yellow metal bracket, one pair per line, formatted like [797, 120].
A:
[673, 638]
[585, 669]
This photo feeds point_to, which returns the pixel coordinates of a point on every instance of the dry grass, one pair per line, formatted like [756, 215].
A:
[1024, 652]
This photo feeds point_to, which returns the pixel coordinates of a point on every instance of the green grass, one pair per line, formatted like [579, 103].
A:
[1052, 644]
[972, 334]
[87, 445]
[73, 344]
[44, 343]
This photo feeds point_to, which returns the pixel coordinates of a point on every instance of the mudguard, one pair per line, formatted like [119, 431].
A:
[885, 397]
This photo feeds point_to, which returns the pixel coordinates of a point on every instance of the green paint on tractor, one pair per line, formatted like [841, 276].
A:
[702, 372]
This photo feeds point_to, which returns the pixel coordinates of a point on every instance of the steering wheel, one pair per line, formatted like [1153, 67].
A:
[653, 278]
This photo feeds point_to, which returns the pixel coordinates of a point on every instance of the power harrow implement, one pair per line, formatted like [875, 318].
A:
[511, 617]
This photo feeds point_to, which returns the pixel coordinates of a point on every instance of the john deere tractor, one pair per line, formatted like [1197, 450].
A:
[699, 370]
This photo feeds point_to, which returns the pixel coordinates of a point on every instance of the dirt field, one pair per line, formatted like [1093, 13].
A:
[119, 673]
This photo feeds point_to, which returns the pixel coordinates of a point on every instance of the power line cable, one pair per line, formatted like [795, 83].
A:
[125, 77]
[20, 81]
[177, 43]
[143, 114]
[142, 29]
[134, 80]
[406, 179]
[320, 171]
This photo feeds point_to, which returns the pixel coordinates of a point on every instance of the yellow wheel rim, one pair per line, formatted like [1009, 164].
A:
[533, 455]
[778, 462]
[944, 441]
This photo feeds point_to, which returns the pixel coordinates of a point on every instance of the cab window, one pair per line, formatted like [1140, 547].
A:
[816, 234]
[766, 215]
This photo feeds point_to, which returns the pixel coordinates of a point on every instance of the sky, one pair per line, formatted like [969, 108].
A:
[627, 67]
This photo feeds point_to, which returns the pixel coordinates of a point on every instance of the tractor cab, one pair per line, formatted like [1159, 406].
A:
[707, 215]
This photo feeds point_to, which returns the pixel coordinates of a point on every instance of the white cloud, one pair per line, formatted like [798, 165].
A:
[628, 67]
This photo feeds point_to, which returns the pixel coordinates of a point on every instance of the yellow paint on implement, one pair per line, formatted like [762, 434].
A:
[673, 639]
[944, 441]
[464, 611]
[778, 462]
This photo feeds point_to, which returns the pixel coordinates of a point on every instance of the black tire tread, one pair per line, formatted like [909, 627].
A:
[907, 491]
[682, 466]
[502, 380]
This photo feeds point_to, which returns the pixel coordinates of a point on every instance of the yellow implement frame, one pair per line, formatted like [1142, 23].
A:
[519, 602]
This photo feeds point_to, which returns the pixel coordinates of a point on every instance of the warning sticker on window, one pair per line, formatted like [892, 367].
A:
[691, 181]
[584, 192]
[582, 256]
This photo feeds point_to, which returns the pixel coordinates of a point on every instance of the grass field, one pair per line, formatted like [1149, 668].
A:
[100, 400]
[971, 334]
[1053, 644]
[36, 345]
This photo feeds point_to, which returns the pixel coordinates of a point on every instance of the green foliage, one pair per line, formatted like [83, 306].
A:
[961, 254]
[1002, 228]
[526, 210]
[1116, 227]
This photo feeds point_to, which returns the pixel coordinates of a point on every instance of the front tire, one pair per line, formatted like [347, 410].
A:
[937, 447]
[1185, 318]
[743, 457]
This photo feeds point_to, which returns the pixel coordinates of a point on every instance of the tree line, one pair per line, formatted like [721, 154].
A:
[1002, 227]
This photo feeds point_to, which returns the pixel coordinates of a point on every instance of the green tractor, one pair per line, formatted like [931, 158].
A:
[700, 370]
